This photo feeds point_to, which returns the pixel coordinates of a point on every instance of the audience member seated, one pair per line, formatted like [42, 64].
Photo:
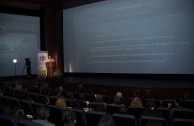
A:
[89, 90]
[99, 98]
[44, 90]
[169, 106]
[149, 104]
[107, 120]
[117, 101]
[35, 88]
[119, 94]
[69, 117]
[82, 97]
[179, 103]
[136, 101]
[186, 96]
[38, 87]
[18, 93]
[45, 85]
[151, 110]
[80, 88]
[69, 95]
[77, 104]
[137, 93]
[61, 102]
[42, 115]
[45, 100]
[19, 113]
[59, 91]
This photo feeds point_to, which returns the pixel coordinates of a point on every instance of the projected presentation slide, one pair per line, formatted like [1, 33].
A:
[19, 39]
[130, 36]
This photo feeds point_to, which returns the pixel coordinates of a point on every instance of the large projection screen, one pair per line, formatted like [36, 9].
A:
[19, 39]
[130, 37]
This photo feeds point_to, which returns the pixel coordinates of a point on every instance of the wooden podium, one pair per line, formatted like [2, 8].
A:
[51, 68]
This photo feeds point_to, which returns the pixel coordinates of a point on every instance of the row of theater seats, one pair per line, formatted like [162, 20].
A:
[126, 101]
[109, 100]
[32, 93]
[130, 120]
[90, 118]
[170, 116]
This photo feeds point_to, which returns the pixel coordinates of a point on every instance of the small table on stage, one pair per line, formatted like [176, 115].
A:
[51, 68]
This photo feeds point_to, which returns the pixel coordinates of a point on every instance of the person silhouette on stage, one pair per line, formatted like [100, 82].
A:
[28, 66]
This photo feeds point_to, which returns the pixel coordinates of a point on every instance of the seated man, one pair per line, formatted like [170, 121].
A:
[42, 115]
[69, 117]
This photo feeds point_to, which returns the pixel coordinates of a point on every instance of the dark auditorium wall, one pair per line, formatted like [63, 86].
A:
[53, 34]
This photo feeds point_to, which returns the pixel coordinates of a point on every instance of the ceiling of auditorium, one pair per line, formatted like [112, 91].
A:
[34, 4]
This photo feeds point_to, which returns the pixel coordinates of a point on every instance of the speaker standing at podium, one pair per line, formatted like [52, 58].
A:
[28, 66]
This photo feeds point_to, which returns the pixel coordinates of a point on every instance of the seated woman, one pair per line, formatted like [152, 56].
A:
[99, 98]
[178, 103]
[61, 102]
[123, 109]
[136, 101]
[117, 101]
[102, 106]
